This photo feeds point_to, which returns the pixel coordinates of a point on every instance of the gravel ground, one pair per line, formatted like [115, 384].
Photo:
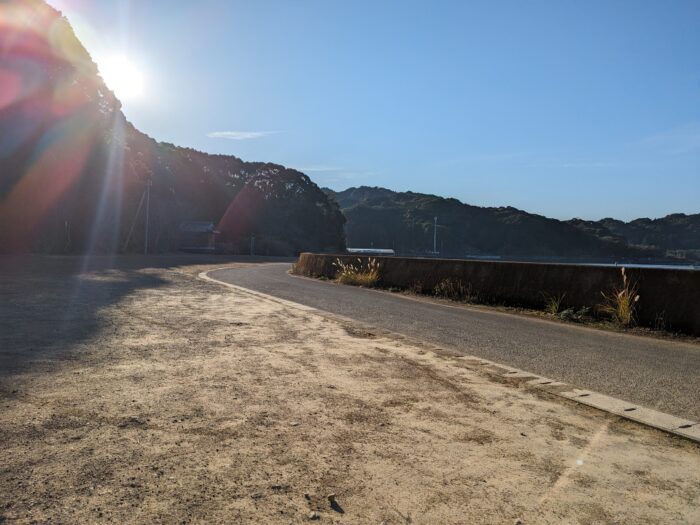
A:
[654, 373]
[133, 392]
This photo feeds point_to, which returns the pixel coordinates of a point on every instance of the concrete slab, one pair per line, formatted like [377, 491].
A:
[519, 374]
[610, 404]
[692, 432]
[545, 382]
[505, 369]
[470, 362]
[660, 420]
[576, 394]
[646, 416]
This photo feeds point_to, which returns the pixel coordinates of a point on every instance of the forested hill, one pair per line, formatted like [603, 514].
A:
[404, 221]
[677, 233]
[73, 169]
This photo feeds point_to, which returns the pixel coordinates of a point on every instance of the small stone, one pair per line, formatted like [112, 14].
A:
[314, 516]
[256, 495]
[334, 504]
[307, 496]
[519, 522]
[294, 424]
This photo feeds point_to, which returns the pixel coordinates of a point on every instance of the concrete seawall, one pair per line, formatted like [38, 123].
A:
[669, 299]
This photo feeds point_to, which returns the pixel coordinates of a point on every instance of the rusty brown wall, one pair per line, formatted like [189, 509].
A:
[669, 298]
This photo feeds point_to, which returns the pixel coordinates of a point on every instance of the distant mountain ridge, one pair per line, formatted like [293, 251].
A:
[73, 170]
[404, 221]
[675, 233]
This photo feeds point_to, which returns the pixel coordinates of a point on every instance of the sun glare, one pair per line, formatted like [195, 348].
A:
[123, 77]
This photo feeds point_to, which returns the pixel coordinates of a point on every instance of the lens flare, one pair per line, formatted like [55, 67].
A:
[123, 77]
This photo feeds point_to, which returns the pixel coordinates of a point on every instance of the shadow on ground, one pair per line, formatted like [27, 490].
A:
[50, 304]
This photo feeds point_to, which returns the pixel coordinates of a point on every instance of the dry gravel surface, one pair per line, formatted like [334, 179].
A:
[131, 391]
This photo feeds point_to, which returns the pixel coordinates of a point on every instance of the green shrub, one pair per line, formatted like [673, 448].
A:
[577, 316]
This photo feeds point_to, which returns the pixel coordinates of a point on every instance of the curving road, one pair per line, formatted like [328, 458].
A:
[664, 375]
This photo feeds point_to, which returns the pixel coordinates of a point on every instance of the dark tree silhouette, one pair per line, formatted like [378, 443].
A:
[73, 170]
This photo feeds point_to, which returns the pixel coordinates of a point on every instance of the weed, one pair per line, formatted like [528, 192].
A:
[455, 290]
[553, 303]
[577, 316]
[660, 321]
[416, 287]
[360, 274]
[621, 304]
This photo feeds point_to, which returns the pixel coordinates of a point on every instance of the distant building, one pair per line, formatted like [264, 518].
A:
[371, 251]
[198, 236]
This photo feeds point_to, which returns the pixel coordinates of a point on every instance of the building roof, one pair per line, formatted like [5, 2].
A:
[372, 251]
[198, 227]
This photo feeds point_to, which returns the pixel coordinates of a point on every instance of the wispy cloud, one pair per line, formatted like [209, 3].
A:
[588, 165]
[676, 141]
[240, 135]
[530, 159]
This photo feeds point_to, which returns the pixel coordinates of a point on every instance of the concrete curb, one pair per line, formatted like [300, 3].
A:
[668, 423]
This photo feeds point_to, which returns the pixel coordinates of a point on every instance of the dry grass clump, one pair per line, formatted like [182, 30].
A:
[621, 304]
[416, 287]
[359, 274]
[456, 290]
[553, 303]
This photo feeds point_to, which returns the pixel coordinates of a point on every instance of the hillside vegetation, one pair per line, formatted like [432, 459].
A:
[73, 169]
[678, 234]
[383, 218]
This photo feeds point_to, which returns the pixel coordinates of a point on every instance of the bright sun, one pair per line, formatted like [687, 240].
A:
[123, 77]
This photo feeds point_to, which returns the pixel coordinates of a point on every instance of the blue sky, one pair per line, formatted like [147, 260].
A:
[569, 109]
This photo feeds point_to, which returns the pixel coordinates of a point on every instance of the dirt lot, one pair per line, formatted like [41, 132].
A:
[141, 394]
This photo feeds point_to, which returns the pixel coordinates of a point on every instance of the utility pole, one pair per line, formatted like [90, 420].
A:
[133, 222]
[435, 237]
[148, 205]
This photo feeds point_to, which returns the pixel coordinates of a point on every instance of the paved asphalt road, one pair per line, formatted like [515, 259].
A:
[664, 375]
